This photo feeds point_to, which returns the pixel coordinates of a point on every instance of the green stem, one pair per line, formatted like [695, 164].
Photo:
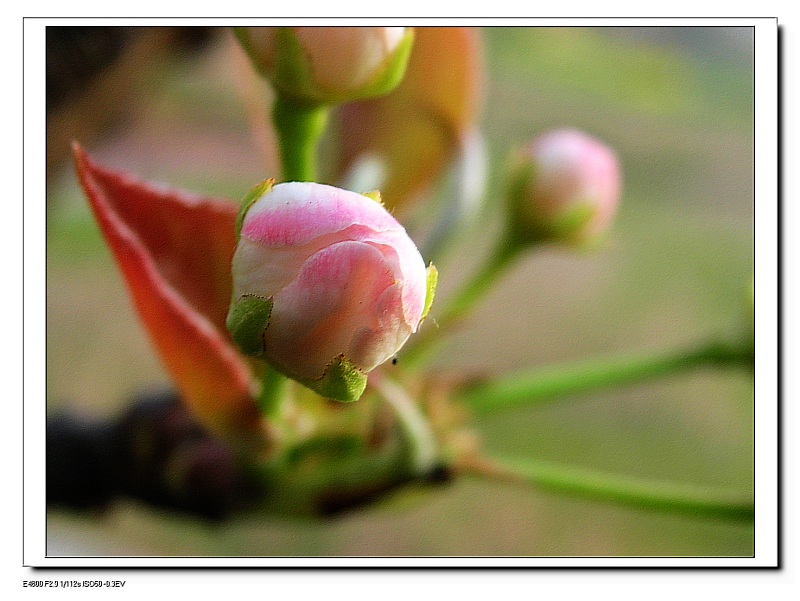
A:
[416, 428]
[424, 344]
[299, 128]
[658, 496]
[531, 387]
[274, 387]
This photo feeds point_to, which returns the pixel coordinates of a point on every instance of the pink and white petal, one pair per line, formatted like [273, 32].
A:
[257, 270]
[408, 266]
[314, 318]
[373, 345]
[347, 58]
[295, 213]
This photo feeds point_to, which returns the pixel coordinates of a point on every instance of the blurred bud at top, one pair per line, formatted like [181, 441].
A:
[328, 65]
[565, 187]
[430, 120]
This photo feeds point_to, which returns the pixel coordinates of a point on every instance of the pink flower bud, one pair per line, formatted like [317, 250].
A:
[329, 64]
[340, 284]
[566, 187]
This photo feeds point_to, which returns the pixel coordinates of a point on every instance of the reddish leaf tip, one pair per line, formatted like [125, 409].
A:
[174, 250]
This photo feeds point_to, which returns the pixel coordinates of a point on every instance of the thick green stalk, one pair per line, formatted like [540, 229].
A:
[531, 387]
[656, 496]
[299, 127]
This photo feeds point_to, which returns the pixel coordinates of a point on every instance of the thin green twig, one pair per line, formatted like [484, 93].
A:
[655, 496]
[532, 387]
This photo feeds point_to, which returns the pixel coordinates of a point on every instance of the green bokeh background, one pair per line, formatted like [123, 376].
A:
[677, 104]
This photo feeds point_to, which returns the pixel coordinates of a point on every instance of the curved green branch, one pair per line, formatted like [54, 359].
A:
[656, 496]
[532, 387]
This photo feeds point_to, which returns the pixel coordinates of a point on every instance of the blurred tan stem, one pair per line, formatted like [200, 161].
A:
[416, 428]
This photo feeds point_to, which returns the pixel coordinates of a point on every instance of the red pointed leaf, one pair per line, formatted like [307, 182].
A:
[174, 250]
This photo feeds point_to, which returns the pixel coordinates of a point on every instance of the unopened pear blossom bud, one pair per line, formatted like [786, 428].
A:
[327, 285]
[326, 65]
[565, 187]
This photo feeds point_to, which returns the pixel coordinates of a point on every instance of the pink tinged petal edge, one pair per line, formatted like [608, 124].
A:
[213, 379]
[409, 268]
[334, 297]
[265, 270]
[295, 213]
[576, 165]
[606, 174]
[373, 346]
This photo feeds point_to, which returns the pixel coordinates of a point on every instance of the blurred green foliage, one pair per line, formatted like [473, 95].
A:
[627, 73]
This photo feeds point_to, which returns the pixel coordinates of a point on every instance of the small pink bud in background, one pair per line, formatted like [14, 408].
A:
[566, 187]
[327, 285]
[323, 65]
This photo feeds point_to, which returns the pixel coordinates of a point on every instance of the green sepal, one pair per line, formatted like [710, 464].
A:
[528, 227]
[569, 226]
[249, 200]
[248, 318]
[393, 71]
[520, 231]
[374, 195]
[342, 381]
[292, 75]
[430, 291]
